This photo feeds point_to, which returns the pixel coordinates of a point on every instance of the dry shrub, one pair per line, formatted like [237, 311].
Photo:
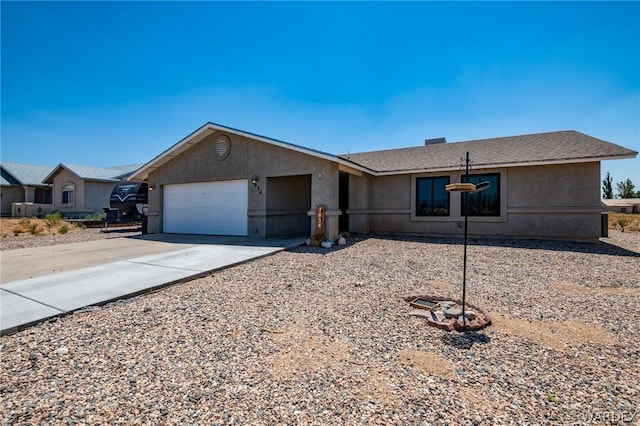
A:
[53, 219]
[631, 221]
[23, 226]
[35, 227]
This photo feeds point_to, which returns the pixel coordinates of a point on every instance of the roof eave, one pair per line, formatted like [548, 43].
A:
[172, 152]
[53, 173]
[208, 129]
[12, 175]
[505, 165]
[105, 180]
[35, 185]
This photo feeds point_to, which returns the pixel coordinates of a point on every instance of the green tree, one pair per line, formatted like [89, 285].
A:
[607, 187]
[626, 189]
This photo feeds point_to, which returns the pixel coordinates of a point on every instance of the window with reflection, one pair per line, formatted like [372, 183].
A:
[432, 199]
[483, 203]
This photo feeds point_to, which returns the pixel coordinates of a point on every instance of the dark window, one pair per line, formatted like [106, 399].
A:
[68, 194]
[487, 202]
[432, 199]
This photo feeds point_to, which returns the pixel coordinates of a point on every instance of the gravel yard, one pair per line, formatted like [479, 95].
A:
[13, 242]
[315, 336]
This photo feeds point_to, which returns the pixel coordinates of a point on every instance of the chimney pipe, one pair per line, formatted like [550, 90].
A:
[435, 141]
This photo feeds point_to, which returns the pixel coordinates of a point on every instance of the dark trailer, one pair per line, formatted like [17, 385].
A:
[128, 202]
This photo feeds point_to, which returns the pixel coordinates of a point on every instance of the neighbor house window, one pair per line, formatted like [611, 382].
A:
[431, 197]
[69, 194]
[487, 202]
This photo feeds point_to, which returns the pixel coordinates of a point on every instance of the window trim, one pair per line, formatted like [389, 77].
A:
[432, 179]
[499, 194]
[68, 188]
[414, 198]
[455, 202]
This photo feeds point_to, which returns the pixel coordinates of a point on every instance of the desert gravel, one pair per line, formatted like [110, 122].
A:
[13, 242]
[316, 336]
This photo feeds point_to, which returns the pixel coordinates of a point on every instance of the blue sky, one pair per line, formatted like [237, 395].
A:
[112, 83]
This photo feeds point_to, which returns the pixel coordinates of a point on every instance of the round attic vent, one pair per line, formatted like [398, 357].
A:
[222, 147]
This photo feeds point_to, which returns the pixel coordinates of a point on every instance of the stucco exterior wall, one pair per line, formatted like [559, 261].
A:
[97, 195]
[247, 158]
[61, 179]
[560, 201]
[359, 203]
[9, 195]
[90, 196]
[29, 194]
[554, 201]
[28, 209]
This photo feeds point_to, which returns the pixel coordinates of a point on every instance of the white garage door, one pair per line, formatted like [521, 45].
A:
[212, 208]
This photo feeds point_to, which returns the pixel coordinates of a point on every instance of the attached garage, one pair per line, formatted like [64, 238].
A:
[211, 208]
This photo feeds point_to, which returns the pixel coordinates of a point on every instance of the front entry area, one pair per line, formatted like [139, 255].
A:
[206, 208]
[288, 201]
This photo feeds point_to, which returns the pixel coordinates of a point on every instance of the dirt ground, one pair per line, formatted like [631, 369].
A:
[630, 222]
[35, 227]
[31, 232]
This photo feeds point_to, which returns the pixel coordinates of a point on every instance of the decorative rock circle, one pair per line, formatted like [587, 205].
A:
[446, 314]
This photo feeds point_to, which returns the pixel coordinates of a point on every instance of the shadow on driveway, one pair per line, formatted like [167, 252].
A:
[287, 242]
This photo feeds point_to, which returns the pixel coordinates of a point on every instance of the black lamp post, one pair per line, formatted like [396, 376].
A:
[465, 187]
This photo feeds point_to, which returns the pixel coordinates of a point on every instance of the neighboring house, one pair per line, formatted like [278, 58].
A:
[622, 205]
[22, 191]
[220, 180]
[81, 190]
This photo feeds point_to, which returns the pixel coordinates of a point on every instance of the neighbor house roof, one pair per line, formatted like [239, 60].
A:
[23, 174]
[541, 148]
[8, 181]
[210, 128]
[621, 202]
[107, 174]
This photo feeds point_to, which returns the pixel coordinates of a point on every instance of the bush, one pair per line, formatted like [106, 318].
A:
[24, 225]
[624, 221]
[63, 229]
[96, 216]
[34, 229]
[53, 219]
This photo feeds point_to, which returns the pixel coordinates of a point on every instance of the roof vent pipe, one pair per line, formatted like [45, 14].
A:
[435, 141]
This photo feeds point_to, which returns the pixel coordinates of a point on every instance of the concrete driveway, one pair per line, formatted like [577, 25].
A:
[43, 282]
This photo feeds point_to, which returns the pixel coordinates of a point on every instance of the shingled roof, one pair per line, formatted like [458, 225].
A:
[23, 174]
[560, 147]
[109, 174]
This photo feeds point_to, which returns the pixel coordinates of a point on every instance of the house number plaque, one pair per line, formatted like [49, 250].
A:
[320, 222]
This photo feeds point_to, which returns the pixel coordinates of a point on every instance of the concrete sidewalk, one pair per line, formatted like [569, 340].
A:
[50, 281]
